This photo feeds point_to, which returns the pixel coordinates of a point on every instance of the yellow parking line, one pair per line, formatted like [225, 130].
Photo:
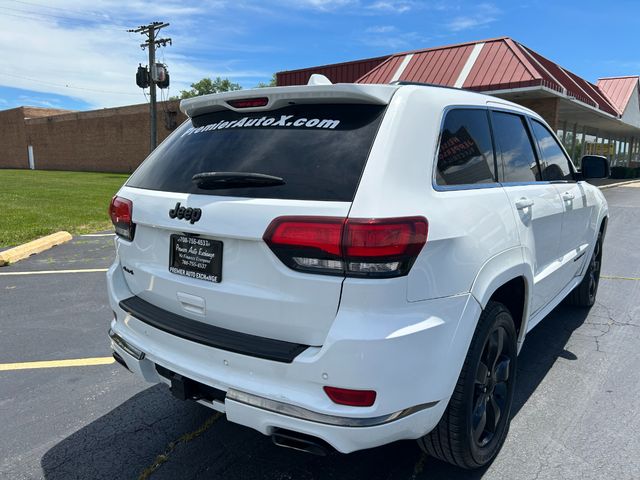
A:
[46, 272]
[615, 277]
[75, 362]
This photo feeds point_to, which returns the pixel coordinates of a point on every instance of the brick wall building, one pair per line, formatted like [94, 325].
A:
[108, 140]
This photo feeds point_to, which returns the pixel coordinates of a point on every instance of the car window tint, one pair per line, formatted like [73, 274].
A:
[554, 164]
[465, 155]
[518, 160]
[319, 150]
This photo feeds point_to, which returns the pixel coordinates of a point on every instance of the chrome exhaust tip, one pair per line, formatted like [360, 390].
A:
[300, 442]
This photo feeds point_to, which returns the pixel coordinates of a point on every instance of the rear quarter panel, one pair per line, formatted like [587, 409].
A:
[467, 227]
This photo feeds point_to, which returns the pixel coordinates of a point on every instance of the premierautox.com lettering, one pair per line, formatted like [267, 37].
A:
[283, 121]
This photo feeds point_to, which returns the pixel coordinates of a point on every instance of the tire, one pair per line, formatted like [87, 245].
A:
[584, 295]
[484, 391]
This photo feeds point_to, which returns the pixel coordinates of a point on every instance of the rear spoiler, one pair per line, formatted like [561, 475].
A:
[278, 97]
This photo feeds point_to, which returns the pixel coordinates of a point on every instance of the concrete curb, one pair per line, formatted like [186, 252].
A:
[619, 184]
[25, 250]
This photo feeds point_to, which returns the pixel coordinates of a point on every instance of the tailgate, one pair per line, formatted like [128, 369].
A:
[257, 293]
[318, 150]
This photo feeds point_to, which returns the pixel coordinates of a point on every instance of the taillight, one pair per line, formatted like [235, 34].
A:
[353, 398]
[353, 247]
[121, 212]
[249, 102]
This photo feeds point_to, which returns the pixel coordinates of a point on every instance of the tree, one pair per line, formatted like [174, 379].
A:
[206, 86]
[272, 83]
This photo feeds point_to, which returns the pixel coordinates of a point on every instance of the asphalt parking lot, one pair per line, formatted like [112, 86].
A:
[576, 412]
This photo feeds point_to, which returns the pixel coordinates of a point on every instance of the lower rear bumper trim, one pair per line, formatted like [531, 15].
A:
[126, 346]
[311, 416]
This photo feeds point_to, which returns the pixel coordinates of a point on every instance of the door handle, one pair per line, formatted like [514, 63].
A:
[568, 196]
[523, 203]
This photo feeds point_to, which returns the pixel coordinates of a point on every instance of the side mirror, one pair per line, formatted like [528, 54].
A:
[594, 166]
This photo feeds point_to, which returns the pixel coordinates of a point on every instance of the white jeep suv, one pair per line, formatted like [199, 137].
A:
[343, 266]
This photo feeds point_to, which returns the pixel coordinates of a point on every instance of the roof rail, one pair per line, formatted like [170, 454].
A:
[424, 84]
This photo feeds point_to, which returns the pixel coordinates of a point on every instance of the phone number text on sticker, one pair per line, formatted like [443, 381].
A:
[195, 257]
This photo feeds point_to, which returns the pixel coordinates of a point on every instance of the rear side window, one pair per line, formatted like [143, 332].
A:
[518, 161]
[319, 150]
[465, 155]
[554, 164]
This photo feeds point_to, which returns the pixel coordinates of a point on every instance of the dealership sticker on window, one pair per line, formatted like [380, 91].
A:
[283, 121]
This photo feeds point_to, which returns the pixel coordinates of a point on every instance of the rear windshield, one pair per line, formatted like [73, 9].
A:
[319, 151]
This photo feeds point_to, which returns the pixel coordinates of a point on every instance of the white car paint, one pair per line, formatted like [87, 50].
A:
[404, 337]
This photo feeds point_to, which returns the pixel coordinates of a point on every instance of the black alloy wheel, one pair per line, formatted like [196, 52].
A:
[594, 271]
[584, 295]
[491, 388]
[475, 424]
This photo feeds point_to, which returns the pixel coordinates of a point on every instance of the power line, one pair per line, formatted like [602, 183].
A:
[32, 15]
[66, 86]
[31, 12]
[77, 12]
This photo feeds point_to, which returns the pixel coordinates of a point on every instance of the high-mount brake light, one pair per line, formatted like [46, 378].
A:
[121, 213]
[352, 247]
[249, 102]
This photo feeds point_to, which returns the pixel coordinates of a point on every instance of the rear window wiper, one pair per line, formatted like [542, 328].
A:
[221, 180]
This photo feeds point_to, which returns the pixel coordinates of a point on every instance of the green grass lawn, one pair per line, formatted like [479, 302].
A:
[37, 203]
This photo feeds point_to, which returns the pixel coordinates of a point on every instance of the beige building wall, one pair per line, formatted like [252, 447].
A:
[547, 108]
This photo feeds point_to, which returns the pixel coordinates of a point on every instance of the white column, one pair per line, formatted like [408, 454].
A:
[573, 141]
[32, 160]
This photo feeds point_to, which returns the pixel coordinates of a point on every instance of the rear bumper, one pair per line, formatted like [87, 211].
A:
[345, 434]
[411, 359]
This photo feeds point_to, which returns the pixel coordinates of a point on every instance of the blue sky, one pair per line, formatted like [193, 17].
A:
[76, 54]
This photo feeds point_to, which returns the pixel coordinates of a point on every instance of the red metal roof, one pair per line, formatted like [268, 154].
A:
[570, 83]
[485, 65]
[385, 70]
[618, 90]
[431, 65]
[499, 64]
[437, 66]
[346, 72]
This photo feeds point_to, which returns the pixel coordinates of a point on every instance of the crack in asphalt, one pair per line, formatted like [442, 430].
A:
[543, 462]
[419, 466]
[607, 326]
[612, 320]
[184, 438]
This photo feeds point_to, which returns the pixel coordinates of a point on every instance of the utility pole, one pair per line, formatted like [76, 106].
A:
[152, 43]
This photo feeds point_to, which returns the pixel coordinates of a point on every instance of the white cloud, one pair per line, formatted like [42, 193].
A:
[381, 29]
[322, 5]
[393, 41]
[377, 7]
[484, 14]
[81, 50]
[391, 6]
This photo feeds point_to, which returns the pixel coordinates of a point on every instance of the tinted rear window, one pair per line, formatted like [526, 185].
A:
[319, 150]
[518, 158]
[554, 163]
[465, 155]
